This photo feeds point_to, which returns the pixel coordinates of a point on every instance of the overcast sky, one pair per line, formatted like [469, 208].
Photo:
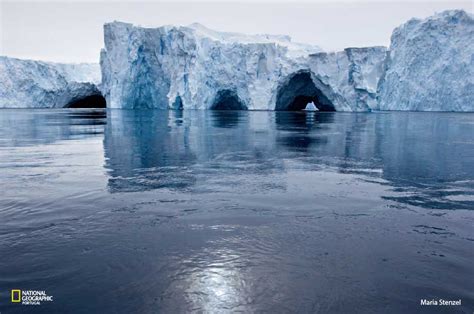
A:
[71, 31]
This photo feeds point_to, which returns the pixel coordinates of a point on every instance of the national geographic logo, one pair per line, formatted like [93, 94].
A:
[16, 296]
[30, 297]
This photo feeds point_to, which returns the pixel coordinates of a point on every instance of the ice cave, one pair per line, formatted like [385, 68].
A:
[228, 100]
[298, 91]
[92, 101]
[178, 103]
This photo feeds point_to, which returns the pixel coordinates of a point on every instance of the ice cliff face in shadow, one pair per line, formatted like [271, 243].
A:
[430, 66]
[192, 67]
[36, 84]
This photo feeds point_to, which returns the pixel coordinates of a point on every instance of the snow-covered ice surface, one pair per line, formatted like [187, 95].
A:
[190, 66]
[37, 84]
[431, 65]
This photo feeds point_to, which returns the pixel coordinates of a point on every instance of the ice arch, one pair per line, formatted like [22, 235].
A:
[91, 101]
[299, 90]
[227, 100]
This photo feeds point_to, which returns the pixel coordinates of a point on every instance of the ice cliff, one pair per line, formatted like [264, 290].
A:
[430, 66]
[194, 67]
[36, 84]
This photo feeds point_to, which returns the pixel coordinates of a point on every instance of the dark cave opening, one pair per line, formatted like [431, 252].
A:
[92, 101]
[298, 92]
[178, 103]
[228, 100]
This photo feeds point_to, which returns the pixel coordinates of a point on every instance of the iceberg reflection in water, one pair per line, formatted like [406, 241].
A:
[219, 211]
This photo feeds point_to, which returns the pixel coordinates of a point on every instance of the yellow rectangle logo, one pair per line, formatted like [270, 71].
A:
[16, 295]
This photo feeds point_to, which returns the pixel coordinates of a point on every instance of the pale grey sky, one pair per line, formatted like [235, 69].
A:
[71, 31]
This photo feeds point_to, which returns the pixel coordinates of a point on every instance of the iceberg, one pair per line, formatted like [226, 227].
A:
[311, 107]
[197, 68]
[430, 65]
[37, 84]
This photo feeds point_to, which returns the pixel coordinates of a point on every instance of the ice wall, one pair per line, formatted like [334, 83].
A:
[37, 84]
[430, 66]
[155, 67]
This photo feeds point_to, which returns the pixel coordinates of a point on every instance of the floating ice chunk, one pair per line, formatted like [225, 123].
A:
[311, 107]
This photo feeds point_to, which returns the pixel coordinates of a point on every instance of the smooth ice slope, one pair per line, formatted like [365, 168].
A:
[431, 65]
[36, 84]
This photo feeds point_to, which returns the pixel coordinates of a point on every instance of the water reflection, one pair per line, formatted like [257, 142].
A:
[227, 118]
[422, 158]
[198, 211]
[31, 127]
[302, 120]
[218, 283]
[301, 130]
[425, 157]
[147, 150]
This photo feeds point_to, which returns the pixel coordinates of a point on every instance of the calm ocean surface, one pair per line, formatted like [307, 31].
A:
[197, 211]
